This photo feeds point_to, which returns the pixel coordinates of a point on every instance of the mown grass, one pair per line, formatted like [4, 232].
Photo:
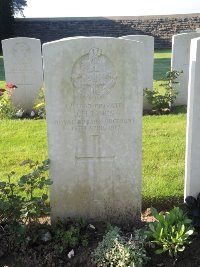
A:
[162, 63]
[163, 153]
[163, 148]
[163, 159]
[21, 140]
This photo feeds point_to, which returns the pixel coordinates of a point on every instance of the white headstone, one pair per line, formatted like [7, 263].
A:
[148, 60]
[23, 67]
[94, 114]
[192, 164]
[180, 62]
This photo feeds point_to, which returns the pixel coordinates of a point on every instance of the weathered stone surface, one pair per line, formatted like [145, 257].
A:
[180, 62]
[148, 60]
[94, 113]
[23, 67]
[192, 166]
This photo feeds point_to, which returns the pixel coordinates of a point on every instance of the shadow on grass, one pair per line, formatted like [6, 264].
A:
[179, 110]
[174, 111]
[163, 51]
[162, 203]
[161, 66]
[2, 73]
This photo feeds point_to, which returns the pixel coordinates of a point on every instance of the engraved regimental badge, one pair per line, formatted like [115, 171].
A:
[93, 74]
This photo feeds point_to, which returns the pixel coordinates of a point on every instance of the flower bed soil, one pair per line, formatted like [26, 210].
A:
[43, 255]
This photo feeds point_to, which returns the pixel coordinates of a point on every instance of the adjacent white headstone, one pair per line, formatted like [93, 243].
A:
[94, 114]
[192, 165]
[180, 62]
[23, 67]
[148, 60]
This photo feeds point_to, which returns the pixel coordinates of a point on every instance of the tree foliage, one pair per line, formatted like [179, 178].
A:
[9, 8]
[6, 19]
[18, 6]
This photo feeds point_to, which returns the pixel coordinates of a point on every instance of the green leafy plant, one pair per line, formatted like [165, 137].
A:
[170, 232]
[68, 235]
[117, 250]
[19, 203]
[39, 106]
[164, 100]
[34, 206]
[7, 110]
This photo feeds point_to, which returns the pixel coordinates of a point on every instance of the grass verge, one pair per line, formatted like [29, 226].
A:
[162, 63]
[163, 153]
[21, 140]
[163, 159]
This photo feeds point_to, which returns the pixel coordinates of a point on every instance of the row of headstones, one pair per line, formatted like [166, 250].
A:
[23, 67]
[94, 97]
[94, 114]
[97, 108]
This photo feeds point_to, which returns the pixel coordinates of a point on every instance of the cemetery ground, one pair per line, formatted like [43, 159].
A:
[163, 152]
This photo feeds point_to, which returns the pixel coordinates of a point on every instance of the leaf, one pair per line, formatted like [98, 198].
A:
[44, 197]
[187, 221]
[181, 248]
[2, 184]
[159, 251]
[46, 162]
[39, 105]
[21, 183]
[47, 210]
[151, 226]
[48, 182]
[28, 161]
[154, 212]
[23, 180]
[190, 232]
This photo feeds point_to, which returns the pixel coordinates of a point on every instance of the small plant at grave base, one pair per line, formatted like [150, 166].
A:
[34, 206]
[19, 204]
[164, 101]
[193, 209]
[39, 106]
[7, 109]
[69, 234]
[170, 232]
[117, 250]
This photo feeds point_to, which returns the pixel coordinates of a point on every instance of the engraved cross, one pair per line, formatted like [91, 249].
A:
[95, 156]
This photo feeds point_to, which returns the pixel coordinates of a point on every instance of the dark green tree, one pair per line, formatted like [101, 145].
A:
[18, 6]
[6, 19]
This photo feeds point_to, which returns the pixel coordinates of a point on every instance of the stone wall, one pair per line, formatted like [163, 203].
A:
[161, 27]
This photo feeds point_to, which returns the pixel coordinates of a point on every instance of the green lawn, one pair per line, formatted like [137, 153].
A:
[20, 140]
[162, 63]
[163, 159]
[163, 153]
[163, 148]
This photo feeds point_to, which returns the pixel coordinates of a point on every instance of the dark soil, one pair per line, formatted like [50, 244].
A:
[43, 254]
